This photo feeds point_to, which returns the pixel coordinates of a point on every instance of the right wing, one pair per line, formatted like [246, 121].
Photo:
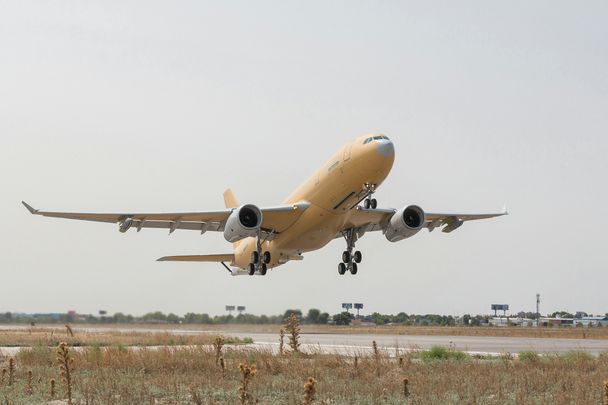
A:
[274, 221]
[368, 220]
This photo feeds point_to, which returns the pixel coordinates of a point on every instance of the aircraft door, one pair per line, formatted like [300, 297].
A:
[347, 151]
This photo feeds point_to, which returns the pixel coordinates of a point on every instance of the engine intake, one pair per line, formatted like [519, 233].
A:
[405, 223]
[243, 222]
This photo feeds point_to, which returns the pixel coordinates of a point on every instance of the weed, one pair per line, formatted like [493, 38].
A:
[248, 372]
[606, 392]
[293, 327]
[28, 388]
[281, 342]
[11, 371]
[406, 390]
[223, 366]
[68, 330]
[309, 391]
[52, 388]
[218, 343]
[2, 377]
[66, 368]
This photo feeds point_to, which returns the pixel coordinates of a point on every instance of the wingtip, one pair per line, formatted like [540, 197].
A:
[504, 210]
[31, 209]
[161, 259]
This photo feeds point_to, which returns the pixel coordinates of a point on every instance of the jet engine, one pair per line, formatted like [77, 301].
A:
[244, 222]
[405, 223]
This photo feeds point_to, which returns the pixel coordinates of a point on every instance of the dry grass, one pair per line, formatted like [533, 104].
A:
[54, 336]
[187, 375]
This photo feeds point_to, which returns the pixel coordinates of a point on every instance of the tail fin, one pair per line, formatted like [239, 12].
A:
[229, 199]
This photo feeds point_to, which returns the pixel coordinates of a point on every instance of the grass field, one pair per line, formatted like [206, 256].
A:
[52, 336]
[197, 375]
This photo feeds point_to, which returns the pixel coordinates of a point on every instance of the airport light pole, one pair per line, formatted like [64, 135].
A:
[537, 310]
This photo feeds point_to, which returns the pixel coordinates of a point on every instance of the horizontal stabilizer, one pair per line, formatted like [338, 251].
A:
[198, 258]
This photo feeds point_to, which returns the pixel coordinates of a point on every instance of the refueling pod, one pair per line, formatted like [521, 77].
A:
[124, 225]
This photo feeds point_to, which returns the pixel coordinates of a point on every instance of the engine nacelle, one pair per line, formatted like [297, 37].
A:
[405, 223]
[244, 222]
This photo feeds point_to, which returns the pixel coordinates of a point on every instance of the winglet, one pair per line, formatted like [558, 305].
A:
[504, 210]
[29, 208]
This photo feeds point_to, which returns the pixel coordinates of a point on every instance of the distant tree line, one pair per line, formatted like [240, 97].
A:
[313, 316]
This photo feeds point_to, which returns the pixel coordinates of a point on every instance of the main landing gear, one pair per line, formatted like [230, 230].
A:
[259, 261]
[370, 202]
[349, 259]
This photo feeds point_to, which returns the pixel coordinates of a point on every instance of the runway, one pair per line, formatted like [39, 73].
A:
[349, 344]
[471, 344]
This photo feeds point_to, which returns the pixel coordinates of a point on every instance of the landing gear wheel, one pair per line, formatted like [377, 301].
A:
[266, 257]
[346, 256]
[357, 257]
[251, 270]
[353, 268]
[255, 257]
[366, 203]
[373, 203]
[341, 268]
[263, 269]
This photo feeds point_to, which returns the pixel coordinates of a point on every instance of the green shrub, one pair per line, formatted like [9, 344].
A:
[531, 357]
[578, 356]
[442, 353]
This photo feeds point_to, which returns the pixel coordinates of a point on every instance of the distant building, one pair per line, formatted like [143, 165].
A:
[506, 321]
[587, 321]
[557, 321]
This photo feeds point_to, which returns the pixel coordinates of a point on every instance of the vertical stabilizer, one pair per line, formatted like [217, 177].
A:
[230, 199]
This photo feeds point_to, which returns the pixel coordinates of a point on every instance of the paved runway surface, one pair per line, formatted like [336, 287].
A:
[354, 343]
[474, 344]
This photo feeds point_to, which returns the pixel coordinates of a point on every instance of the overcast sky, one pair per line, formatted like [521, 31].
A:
[159, 106]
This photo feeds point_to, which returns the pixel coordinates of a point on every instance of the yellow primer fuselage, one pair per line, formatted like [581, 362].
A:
[332, 192]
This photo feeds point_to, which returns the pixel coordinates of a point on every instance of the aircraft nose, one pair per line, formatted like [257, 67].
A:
[385, 148]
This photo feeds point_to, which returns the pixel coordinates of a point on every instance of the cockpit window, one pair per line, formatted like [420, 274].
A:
[375, 138]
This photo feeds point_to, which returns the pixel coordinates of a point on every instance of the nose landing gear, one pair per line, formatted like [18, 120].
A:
[350, 259]
[370, 202]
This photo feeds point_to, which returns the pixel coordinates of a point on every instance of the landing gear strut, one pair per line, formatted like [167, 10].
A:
[370, 202]
[259, 260]
[349, 259]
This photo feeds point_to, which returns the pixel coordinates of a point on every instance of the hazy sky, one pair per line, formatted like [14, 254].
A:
[159, 106]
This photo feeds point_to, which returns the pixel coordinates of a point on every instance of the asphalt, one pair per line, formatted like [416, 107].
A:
[471, 344]
[354, 343]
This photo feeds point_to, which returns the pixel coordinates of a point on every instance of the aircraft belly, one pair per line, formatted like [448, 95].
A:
[313, 230]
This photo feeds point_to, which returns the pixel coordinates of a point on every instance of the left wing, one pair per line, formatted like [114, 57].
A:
[367, 220]
[274, 219]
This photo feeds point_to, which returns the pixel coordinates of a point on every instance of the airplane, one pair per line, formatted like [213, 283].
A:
[335, 202]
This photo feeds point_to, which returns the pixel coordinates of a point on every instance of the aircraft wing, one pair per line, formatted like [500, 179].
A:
[367, 220]
[274, 219]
